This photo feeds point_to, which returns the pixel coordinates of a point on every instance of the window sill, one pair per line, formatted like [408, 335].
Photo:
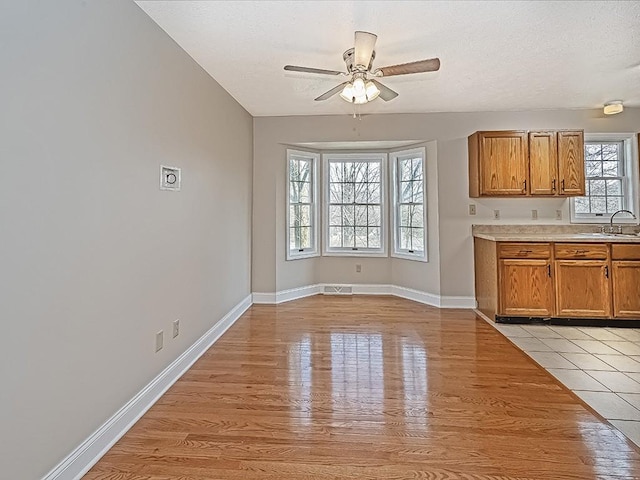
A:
[408, 256]
[302, 256]
[356, 254]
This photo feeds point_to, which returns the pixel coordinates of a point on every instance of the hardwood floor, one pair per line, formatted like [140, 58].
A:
[367, 388]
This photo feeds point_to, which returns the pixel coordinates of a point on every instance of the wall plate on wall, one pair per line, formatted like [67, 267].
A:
[169, 178]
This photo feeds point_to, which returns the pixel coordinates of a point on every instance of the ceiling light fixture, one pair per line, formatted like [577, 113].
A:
[613, 107]
[359, 91]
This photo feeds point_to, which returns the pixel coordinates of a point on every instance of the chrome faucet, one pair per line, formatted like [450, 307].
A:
[619, 229]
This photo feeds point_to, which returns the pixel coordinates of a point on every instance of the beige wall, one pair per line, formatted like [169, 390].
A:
[450, 270]
[95, 259]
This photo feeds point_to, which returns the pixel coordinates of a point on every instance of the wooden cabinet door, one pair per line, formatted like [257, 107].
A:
[543, 163]
[626, 289]
[571, 162]
[526, 288]
[503, 163]
[583, 288]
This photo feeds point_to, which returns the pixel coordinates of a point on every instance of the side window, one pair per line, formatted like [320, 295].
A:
[302, 208]
[409, 204]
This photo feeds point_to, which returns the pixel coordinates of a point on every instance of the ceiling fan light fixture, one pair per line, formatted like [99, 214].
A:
[613, 107]
[347, 93]
[372, 91]
[359, 88]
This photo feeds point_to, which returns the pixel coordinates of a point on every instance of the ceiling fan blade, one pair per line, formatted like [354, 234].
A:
[295, 68]
[331, 92]
[364, 44]
[420, 66]
[385, 92]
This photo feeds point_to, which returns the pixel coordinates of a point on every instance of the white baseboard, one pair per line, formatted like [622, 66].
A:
[458, 302]
[287, 295]
[93, 448]
[367, 289]
[417, 296]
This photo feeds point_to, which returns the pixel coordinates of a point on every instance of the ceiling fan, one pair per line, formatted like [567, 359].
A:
[363, 86]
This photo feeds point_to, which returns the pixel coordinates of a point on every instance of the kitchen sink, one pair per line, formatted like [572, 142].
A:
[605, 235]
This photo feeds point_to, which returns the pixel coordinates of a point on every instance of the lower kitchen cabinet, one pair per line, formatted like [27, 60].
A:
[557, 280]
[626, 289]
[625, 263]
[526, 288]
[583, 288]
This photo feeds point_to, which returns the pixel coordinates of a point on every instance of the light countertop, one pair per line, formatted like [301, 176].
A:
[558, 237]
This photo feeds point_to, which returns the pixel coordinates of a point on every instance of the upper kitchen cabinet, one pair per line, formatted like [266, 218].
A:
[498, 163]
[519, 163]
[571, 162]
[543, 163]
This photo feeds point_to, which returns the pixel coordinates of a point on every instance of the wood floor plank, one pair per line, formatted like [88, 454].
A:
[367, 388]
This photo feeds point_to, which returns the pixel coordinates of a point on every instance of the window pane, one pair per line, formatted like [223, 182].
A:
[348, 237]
[406, 192]
[361, 195]
[581, 204]
[374, 237]
[610, 151]
[335, 215]
[614, 187]
[361, 215]
[417, 216]
[417, 236]
[598, 205]
[302, 216]
[405, 238]
[593, 151]
[374, 193]
[335, 193]
[348, 215]
[361, 237]
[593, 169]
[405, 216]
[348, 193]
[335, 172]
[360, 169]
[405, 170]
[614, 204]
[373, 172]
[374, 215]
[610, 169]
[417, 191]
[596, 187]
[335, 236]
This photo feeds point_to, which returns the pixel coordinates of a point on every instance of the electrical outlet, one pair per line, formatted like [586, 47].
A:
[558, 214]
[472, 209]
[176, 328]
[534, 214]
[159, 340]
[358, 268]
[496, 214]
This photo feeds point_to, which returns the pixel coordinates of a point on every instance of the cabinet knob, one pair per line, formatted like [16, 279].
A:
[606, 271]
[553, 185]
[562, 185]
[524, 186]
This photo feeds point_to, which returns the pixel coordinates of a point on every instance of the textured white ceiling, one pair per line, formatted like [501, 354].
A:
[502, 55]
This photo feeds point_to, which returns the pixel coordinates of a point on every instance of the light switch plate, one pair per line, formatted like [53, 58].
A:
[170, 178]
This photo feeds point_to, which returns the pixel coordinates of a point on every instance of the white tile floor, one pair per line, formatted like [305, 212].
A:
[600, 365]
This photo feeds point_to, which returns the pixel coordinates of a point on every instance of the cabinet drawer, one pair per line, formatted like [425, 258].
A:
[579, 251]
[524, 250]
[625, 252]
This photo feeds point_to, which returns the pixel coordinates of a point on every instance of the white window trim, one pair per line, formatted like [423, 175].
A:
[365, 252]
[315, 250]
[631, 185]
[396, 251]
